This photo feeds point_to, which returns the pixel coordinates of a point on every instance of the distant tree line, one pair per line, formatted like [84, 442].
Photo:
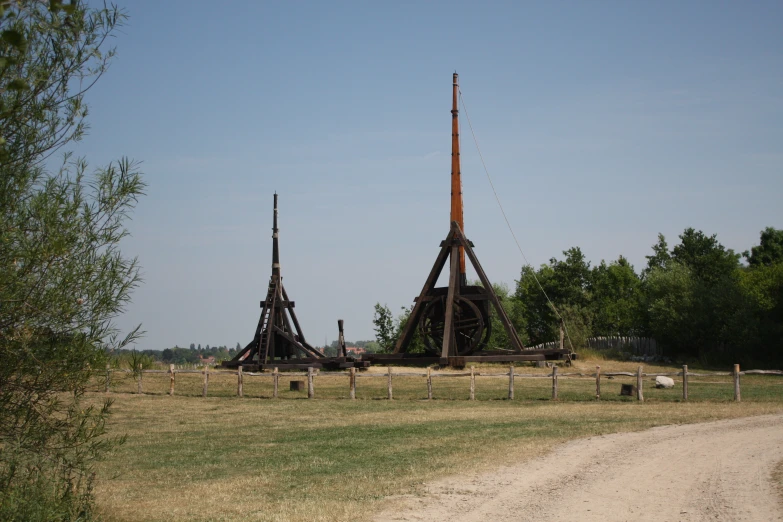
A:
[333, 349]
[697, 299]
[194, 354]
[177, 355]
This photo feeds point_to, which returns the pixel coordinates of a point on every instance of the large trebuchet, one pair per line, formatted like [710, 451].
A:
[454, 322]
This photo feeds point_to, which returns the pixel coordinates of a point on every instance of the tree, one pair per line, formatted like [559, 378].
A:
[571, 278]
[333, 349]
[540, 321]
[416, 344]
[384, 328]
[615, 294]
[762, 289]
[669, 302]
[63, 279]
[499, 337]
[192, 346]
[566, 283]
[707, 259]
[660, 257]
[769, 251]
[371, 346]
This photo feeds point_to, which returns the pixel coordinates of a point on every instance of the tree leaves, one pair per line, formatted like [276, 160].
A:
[17, 84]
[63, 279]
[696, 300]
[14, 38]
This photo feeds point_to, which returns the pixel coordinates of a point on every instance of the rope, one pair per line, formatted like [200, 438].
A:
[508, 224]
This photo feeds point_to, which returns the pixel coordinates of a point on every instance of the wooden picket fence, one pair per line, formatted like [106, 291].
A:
[352, 376]
[635, 345]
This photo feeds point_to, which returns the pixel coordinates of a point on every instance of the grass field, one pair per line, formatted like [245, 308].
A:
[225, 458]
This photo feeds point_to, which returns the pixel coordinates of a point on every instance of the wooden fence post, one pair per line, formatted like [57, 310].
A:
[685, 382]
[598, 383]
[352, 383]
[275, 381]
[206, 381]
[562, 334]
[171, 380]
[511, 382]
[240, 383]
[472, 384]
[639, 392]
[429, 384]
[554, 382]
[310, 387]
[737, 382]
[108, 378]
[389, 394]
[141, 372]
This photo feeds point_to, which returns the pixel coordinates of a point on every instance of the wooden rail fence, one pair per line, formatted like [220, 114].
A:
[429, 375]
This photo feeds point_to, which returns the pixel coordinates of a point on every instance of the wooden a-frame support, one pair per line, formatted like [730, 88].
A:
[450, 248]
[277, 316]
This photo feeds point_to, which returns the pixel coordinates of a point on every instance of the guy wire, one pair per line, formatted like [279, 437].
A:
[508, 224]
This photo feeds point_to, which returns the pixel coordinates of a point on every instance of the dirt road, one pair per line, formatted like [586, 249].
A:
[697, 472]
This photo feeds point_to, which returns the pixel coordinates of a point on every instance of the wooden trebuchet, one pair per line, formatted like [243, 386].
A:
[454, 322]
[278, 340]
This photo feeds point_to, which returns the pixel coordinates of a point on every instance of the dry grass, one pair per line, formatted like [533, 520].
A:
[224, 458]
[777, 479]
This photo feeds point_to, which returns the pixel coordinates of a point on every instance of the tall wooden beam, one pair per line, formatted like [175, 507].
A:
[453, 293]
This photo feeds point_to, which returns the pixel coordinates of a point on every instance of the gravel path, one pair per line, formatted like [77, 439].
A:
[694, 472]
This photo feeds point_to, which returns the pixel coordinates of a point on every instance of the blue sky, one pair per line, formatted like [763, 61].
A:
[602, 124]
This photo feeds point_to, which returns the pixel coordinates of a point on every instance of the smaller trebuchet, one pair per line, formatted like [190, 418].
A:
[279, 341]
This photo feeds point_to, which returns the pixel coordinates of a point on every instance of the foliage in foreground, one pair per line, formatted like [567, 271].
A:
[62, 277]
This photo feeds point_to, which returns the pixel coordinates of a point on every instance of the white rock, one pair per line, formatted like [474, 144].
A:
[664, 382]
